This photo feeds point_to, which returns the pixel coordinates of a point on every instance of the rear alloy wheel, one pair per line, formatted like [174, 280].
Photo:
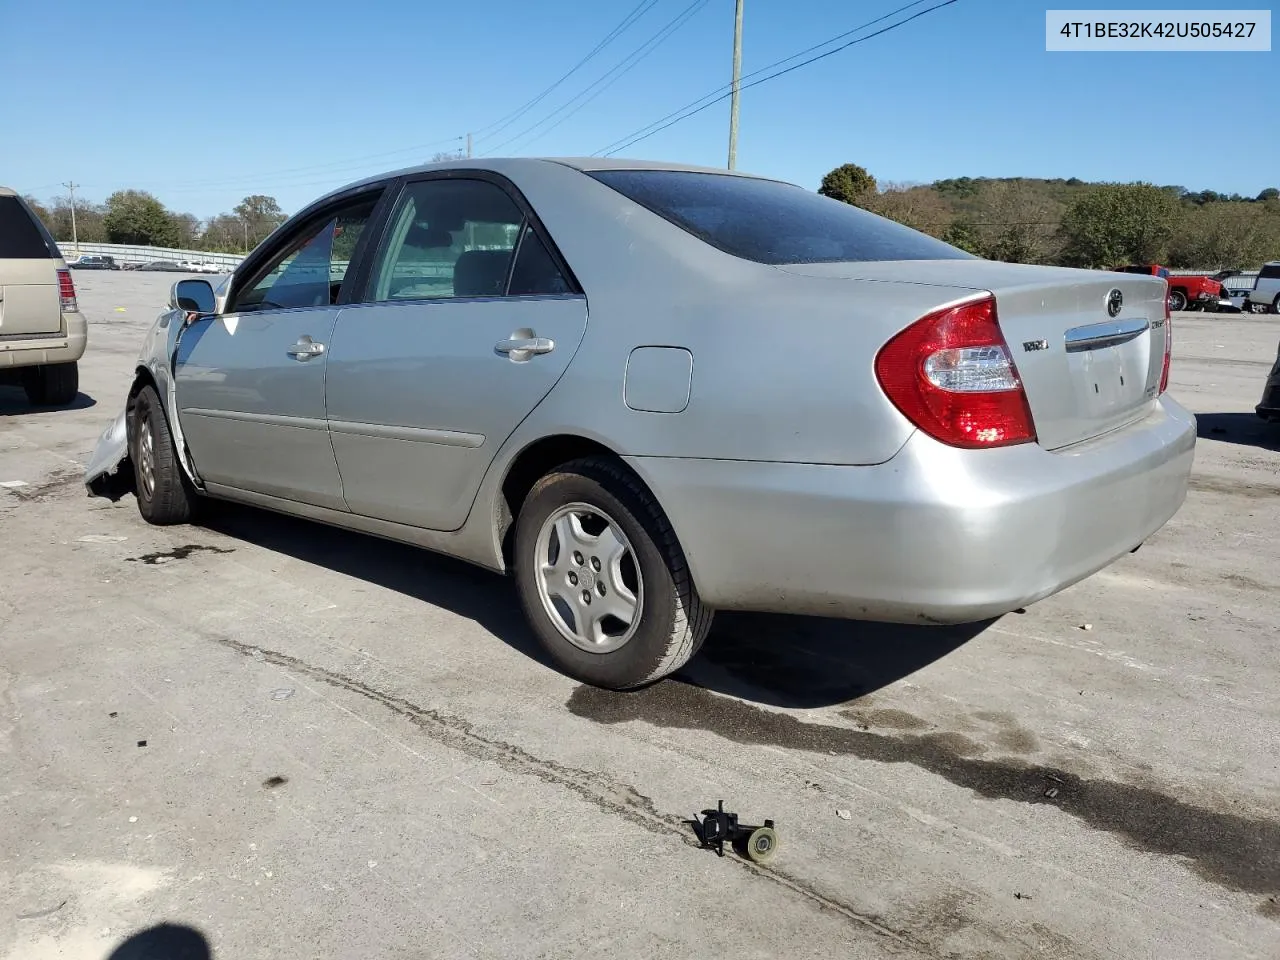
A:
[602, 579]
[52, 385]
[165, 496]
[1177, 301]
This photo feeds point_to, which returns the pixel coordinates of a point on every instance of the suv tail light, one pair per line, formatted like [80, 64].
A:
[1168, 348]
[67, 291]
[951, 374]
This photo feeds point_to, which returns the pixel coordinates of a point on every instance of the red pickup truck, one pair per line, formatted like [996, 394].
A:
[1185, 293]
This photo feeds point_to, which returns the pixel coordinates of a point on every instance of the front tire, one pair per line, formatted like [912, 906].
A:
[52, 385]
[165, 496]
[1177, 301]
[603, 581]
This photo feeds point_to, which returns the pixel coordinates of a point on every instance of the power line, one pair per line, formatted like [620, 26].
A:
[770, 66]
[684, 113]
[638, 11]
[620, 70]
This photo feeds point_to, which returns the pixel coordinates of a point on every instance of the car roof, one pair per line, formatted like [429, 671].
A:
[6, 192]
[513, 166]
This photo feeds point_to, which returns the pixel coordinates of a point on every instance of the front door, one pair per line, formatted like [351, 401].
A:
[468, 323]
[250, 382]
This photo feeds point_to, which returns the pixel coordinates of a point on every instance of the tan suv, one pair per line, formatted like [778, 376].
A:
[42, 332]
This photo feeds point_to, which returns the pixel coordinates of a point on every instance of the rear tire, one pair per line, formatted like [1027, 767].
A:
[1275, 307]
[52, 385]
[590, 539]
[165, 496]
[1177, 301]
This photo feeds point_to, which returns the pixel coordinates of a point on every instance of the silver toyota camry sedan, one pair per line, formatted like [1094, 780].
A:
[653, 391]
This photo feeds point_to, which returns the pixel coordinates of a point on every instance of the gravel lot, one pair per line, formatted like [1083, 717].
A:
[307, 743]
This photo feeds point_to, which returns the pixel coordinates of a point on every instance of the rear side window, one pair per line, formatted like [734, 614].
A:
[1269, 271]
[21, 238]
[771, 222]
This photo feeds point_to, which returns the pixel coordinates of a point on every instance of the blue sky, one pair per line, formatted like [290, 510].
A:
[204, 103]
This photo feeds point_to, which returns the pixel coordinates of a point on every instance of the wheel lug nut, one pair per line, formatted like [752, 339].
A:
[595, 563]
[577, 558]
[586, 596]
[600, 588]
[573, 579]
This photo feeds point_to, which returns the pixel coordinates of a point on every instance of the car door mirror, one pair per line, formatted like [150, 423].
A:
[193, 296]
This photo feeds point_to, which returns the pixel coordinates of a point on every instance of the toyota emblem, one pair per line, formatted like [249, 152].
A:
[1115, 300]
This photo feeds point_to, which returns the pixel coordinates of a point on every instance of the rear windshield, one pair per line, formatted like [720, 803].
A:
[771, 222]
[21, 238]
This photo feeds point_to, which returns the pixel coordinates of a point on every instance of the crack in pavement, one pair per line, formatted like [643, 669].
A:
[619, 799]
[1232, 851]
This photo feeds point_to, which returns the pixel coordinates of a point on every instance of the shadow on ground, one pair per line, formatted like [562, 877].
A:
[14, 403]
[783, 661]
[165, 941]
[1246, 429]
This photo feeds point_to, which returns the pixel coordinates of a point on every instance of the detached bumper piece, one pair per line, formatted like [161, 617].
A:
[718, 827]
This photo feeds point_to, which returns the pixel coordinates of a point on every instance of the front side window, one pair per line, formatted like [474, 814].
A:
[771, 222]
[310, 270]
[448, 238]
[1270, 271]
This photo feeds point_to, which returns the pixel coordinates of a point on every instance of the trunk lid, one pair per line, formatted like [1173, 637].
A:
[29, 300]
[1086, 370]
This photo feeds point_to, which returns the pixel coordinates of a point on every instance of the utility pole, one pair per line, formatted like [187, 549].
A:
[75, 237]
[468, 146]
[737, 79]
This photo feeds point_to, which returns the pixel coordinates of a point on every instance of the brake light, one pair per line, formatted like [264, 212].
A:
[951, 374]
[1168, 348]
[67, 291]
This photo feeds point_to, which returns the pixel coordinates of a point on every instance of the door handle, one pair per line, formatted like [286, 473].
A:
[305, 349]
[525, 347]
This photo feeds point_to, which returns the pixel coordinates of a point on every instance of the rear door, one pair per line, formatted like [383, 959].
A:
[250, 381]
[470, 318]
[29, 301]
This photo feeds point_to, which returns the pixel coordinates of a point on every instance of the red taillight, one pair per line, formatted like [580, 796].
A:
[951, 374]
[67, 290]
[1168, 348]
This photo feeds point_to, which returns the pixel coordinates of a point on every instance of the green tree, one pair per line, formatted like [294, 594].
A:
[848, 183]
[1118, 223]
[260, 215]
[135, 216]
[963, 234]
[1271, 193]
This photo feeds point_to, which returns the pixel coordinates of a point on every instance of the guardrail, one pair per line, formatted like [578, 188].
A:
[129, 253]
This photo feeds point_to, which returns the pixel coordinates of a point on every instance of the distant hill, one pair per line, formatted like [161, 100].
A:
[1073, 221]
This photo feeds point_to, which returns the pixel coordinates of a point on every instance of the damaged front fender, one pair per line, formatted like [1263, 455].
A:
[104, 476]
[110, 471]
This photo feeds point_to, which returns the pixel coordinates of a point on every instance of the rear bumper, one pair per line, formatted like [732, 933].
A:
[37, 351]
[934, 535]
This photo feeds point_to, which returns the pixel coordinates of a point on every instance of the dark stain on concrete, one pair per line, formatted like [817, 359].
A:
[1230, 850]
[272, 782]
[1270, 907]
[893, 719]
[177, 553]
[1234, 488]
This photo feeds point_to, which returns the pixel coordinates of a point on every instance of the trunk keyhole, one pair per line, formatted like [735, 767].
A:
[1095, 388]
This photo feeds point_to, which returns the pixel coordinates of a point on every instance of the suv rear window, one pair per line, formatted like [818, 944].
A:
[21, 238]
[771, 222]
[1269, 271]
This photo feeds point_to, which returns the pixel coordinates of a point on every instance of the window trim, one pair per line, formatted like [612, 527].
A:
[255, 266]
[530, 219]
